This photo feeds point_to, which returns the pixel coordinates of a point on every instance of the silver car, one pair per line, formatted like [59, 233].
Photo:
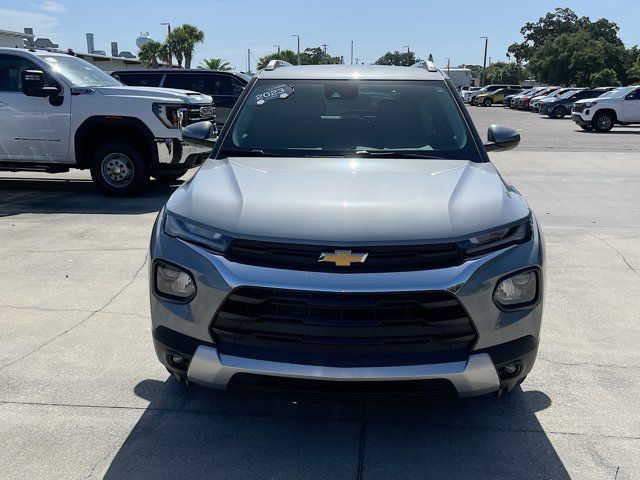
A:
[348, 234]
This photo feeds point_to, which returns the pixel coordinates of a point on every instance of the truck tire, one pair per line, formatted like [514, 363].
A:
[602, 122]
[558, 112]
[118, 169]
[487, 102]
[168, 177]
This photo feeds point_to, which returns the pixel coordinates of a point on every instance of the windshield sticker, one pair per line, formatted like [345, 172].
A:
[273, 93]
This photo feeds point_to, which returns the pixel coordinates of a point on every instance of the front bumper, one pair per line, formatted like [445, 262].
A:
[172, 154]
[503, 336]
[581, 119]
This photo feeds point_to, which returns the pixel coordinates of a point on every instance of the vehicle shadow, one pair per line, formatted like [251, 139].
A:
[200, 433]
[20, 195]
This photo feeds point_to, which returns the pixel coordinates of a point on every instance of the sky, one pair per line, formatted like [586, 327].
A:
[231, 27]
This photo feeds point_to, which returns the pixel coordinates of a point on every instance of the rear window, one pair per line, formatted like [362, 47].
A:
[207, 83]
[336, 117]
[140, 79]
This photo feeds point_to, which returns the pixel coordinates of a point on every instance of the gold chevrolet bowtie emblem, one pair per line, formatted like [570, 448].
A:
[343, 258]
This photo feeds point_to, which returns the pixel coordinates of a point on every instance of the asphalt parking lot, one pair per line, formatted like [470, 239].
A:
[82, 394]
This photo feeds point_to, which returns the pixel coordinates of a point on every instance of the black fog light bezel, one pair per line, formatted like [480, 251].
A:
[519, 306]
[171, 298]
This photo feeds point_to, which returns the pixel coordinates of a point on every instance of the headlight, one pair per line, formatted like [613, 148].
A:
[589, 104]
[496, 239]
[173, 283]
[171, 114]
[517, 290]
[198, 234]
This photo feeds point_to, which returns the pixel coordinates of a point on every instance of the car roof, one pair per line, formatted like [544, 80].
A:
[179, 70]
[349, 72]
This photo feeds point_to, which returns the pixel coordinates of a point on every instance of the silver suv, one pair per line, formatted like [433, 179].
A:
[350, 234]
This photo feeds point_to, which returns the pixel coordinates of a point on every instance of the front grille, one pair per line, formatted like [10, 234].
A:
[578, 107]
[394, 258]
[355, 390]
[199, 113]
[343, 329]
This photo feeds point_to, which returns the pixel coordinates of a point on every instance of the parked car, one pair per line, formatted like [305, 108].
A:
[469, 97]
[223, 87]
[534, 104]
[615, 107]
[379, 244]
[489, 98]
[526, 100]
[516, 100]
[561, 106]
[58, 112]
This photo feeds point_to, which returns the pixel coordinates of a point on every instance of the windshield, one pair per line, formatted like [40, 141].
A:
[350, 118]
[79, 72]
[612, 93]
[568, 94]
[621, 92]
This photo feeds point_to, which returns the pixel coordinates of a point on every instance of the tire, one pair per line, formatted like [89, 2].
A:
[118, 169]
[472, 101]
[586, 128]
[558, 112]
[168, 177]
[487, 102]
[602, 122]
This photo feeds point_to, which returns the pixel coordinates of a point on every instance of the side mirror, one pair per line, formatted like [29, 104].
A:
[199, 134]
[34, 85]
[501, 138]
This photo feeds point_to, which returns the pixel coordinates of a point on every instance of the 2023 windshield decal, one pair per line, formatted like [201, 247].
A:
[271, 93]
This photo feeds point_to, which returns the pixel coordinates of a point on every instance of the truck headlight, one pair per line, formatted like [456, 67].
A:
[195, 233]
[518, 290]
[173, 282]
[499, 238]
[590, 104]
[170, 114]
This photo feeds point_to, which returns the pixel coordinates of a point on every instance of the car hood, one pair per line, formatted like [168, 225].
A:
[344, 201]
[163, 94]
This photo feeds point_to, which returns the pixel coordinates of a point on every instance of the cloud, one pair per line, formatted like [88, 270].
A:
[53, 7]
[16, 20]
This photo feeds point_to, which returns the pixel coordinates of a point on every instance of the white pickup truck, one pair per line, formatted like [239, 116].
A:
[620, 106]
[58, 112]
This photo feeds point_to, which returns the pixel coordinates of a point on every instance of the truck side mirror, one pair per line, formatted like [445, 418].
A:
[501, 138]
[199, 134]
[34, 85]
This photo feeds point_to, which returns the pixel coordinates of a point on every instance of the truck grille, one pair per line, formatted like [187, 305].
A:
[394, 258]
[343, 329]
[578, 107]
[199, 113]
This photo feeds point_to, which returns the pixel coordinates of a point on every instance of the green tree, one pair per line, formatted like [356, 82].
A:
[316, 56]
[182, 41]
[604, 78]
[150, 52]
[405, 59]
[215, 64]
[633, 65]
[503, 72]
[285, 55]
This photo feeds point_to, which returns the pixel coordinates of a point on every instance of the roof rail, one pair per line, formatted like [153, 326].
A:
[427, 65]
[273, 64]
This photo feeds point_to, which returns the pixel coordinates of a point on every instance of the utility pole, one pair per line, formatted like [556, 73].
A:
[484, 65]
[298, 36]
[448, 64]
[169, 48]
[324, 45]
[278, 46]
[249, 61]
[351, 52]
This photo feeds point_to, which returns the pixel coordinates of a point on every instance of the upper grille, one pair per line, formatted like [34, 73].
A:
[379, 259]
[198, 113]
[578, 107]
[343, 329]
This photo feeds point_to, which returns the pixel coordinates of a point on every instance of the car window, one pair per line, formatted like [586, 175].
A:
[322, 117]
[11, 68]
[140, 79]
[634, 95]
[207, 83]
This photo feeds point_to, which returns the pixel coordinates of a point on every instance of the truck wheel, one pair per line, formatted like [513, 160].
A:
[602, 122]
[168, 177]
[487, 102]
[118, 169]
[558, 112]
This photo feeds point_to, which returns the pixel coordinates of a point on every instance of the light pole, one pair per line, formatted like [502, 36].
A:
[278, 46]
[324, 46]
[448, 64]
[351, 52]
[168, 47]
[298, 36]
[484, 65]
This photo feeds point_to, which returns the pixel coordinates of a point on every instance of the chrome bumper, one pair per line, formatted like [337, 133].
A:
[476, 376]
[172, 151]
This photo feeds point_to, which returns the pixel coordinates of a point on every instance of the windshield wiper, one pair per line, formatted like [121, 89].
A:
[398, 154]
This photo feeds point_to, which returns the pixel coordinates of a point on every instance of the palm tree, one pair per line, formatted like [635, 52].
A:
[215, 64]
[183, 41]
[150, 52]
